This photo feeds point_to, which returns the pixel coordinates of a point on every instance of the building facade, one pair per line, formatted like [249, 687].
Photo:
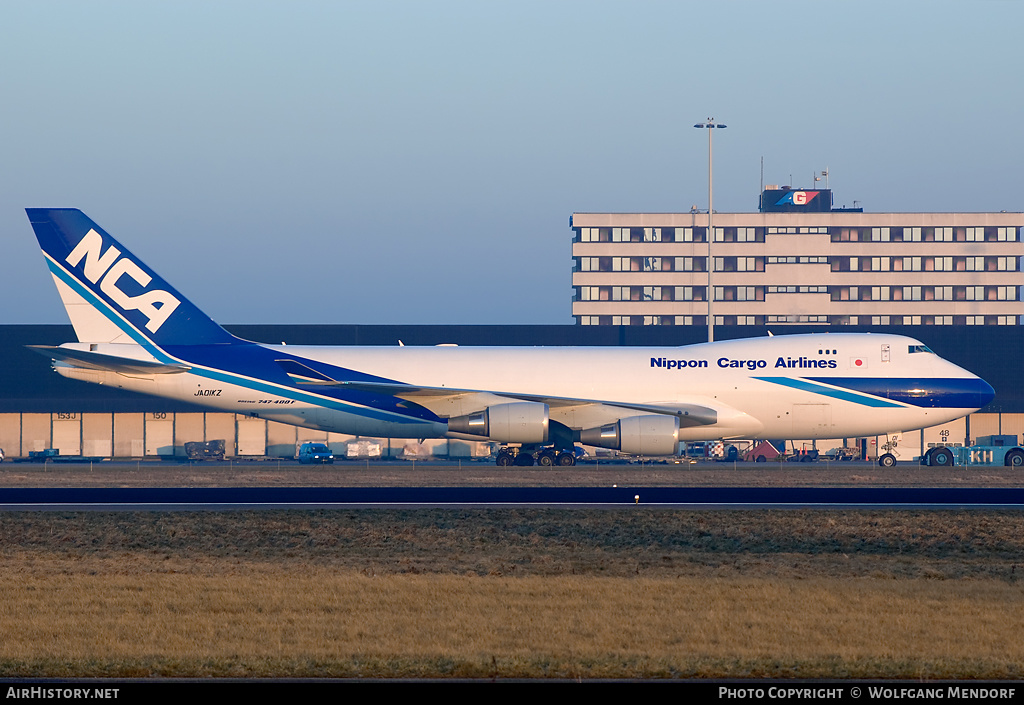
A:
[789, 264]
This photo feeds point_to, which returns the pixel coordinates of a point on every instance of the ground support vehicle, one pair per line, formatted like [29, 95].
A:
[806, 454]
[310, 453]
[205, 450]
[1010, 455]
[843, 454]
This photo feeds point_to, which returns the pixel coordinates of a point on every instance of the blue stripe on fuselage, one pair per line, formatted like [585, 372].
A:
[934, 392]
[255, 362]
[807, 386]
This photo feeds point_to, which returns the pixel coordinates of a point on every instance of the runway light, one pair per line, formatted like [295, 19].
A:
[636, 499]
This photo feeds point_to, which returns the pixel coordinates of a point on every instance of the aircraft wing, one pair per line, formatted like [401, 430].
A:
[689, 414]
[106, 363]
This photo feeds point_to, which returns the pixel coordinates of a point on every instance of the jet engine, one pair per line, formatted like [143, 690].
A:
[517, 422]
[655, 434]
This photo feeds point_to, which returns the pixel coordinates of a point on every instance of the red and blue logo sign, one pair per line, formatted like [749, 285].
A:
[797, 198]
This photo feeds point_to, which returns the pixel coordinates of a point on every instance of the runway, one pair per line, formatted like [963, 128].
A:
[222, 498]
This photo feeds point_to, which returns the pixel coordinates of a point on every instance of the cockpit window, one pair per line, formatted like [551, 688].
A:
[919, 348]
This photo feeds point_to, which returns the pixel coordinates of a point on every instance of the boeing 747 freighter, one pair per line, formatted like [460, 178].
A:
[135, 331]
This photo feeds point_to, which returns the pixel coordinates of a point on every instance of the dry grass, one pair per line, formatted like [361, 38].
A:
[505, 593]
[276, 623]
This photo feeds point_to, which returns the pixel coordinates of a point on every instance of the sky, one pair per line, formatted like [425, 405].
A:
[418, 162]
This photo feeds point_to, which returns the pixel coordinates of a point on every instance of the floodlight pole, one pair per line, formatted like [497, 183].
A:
[710, 125]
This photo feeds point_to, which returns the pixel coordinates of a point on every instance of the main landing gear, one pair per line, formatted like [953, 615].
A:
[526, 457]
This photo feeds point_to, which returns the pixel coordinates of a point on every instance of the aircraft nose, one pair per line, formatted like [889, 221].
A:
[963, 393]
[984, 391]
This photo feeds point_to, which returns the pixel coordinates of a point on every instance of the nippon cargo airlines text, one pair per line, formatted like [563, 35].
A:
[727, 363]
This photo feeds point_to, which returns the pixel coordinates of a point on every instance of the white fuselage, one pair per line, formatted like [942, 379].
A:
[773, 387]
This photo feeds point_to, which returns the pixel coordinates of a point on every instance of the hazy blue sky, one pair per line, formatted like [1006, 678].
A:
[417, 162]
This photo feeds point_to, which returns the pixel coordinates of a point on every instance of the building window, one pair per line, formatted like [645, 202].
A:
[690, 264]
[849, 235]
[795, 289]
[845, 264]
[690, 234]
[799, 259]
[689, 293]
[797, 318]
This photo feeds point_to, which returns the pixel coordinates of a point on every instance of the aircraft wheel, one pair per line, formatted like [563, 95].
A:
[545, 459]
[504, 460]
[942, 457]
[887, 461]
[524, 460]
[566, 459]
[1014, 458]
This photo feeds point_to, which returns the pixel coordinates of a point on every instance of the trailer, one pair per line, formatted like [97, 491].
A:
[988, 450]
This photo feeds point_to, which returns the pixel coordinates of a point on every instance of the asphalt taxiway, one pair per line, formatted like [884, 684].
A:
[148, 485]
[220, 498]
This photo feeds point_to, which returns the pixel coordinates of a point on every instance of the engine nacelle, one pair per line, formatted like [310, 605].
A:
[656, 434]
[517, 422]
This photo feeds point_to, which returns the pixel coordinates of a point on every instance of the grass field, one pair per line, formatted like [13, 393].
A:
[512, 592]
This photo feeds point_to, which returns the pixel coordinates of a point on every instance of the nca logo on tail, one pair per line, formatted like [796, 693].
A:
[156, 305]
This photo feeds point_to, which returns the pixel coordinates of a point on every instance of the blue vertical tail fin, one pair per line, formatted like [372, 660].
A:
[109, 294]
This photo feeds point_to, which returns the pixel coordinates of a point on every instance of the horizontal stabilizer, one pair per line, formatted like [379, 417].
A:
[106, 363]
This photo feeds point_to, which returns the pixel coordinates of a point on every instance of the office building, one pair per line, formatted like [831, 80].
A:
[799, 261]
